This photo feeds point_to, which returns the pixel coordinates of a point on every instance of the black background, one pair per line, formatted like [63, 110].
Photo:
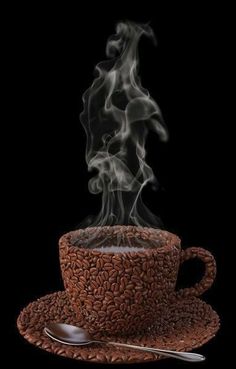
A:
[51, 57]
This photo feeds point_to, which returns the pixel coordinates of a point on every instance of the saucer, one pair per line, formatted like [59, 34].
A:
[185, 325]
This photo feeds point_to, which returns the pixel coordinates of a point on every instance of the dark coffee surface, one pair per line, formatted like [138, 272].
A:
[120, 235]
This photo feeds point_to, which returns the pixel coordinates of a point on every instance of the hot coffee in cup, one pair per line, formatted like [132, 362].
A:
[121, 289]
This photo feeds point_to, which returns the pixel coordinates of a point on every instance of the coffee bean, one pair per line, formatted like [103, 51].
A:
[109, 294]
[99, 263]
[111, 308]
[85, 264]
[118, 301]
[101, 313]
[116, 293]
[116, 315]
[80, 285]
[99, 280]
[106, 258]
[82, 279]
[112, 280]
[138, 297]
[113, 273]
[93, 271]
[117, 267]
[126, 264]
[79, 264]
[97, 304]
[94, 284]
[107, 285]
[104, 275]
[101, 291]
[128, 294]
[135, 279]
[86, 274]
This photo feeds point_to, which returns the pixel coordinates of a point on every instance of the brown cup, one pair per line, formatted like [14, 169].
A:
[122, 293]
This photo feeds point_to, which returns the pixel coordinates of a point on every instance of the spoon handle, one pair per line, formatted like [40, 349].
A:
[186, 356]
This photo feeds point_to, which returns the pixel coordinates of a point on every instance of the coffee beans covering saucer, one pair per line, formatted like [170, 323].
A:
[186, 324]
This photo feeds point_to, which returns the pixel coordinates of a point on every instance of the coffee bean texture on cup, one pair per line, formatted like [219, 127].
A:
[123, 292]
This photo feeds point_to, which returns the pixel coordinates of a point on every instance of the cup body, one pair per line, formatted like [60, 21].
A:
[119, 292]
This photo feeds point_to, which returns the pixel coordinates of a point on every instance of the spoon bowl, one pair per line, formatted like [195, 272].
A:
[75, 336]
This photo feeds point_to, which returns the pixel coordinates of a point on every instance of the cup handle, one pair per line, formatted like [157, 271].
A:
[209, 275]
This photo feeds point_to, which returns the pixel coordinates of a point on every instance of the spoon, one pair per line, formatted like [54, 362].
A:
[75, 336]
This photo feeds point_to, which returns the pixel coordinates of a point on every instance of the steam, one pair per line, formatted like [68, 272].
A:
[118, 112]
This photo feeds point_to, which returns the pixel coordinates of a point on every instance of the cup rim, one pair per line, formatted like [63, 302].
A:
[171, 240]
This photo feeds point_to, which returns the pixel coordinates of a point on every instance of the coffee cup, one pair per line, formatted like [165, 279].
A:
[122, 289]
